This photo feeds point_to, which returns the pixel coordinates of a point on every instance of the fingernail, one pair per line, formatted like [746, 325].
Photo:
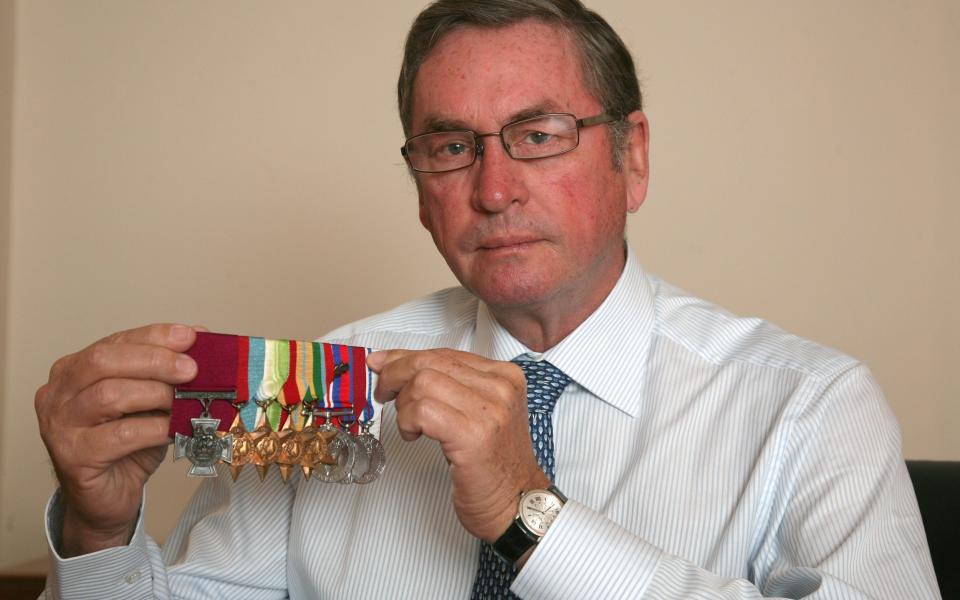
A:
[375, 360]
[186, 365]
[179, 333]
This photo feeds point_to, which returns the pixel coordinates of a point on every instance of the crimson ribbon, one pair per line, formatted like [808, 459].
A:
[216, 357]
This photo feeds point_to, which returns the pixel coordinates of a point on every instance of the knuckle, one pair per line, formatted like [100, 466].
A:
[421, 361]
[41, 398]
[504, 389]
[497, 414]
[420, 413]
[126, 432]
[445, 353]
[425, 380]
[103, 395]
[61, 446]
[60, 368]
[98, 356]
[128, 335]
[159, 360]
[56, 369]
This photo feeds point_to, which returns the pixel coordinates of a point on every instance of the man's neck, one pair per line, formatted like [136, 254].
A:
[543, 325]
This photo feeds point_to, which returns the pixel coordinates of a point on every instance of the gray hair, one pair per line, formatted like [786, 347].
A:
[605, 62]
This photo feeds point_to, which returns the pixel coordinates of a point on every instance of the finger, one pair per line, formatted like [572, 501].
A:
[377, 360]
[123, 361]
[169, 335]
[399, 367]
[424, 407]
[109, 442]
[502, 368]
[110, 399]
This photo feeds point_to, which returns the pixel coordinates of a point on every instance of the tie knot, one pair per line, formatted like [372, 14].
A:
[545, 383]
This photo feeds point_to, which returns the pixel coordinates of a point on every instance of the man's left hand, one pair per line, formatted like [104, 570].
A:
[477, 410]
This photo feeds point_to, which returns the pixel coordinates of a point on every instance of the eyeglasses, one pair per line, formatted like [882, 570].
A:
[527, 139]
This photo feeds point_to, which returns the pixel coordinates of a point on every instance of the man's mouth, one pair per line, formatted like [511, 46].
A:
[508, 242]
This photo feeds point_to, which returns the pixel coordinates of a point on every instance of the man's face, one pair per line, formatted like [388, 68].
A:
[520, 234]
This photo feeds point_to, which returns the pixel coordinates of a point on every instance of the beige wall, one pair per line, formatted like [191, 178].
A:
[6, 113]
[236, 164]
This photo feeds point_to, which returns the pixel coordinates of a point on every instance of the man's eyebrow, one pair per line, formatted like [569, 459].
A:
[436, 123]
[536, 110]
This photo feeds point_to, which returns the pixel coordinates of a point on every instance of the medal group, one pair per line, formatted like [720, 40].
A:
[303, 406]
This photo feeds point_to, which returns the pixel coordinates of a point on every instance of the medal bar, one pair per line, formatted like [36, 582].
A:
[264, 402]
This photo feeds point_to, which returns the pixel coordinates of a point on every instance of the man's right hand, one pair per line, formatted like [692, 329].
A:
[104, 417]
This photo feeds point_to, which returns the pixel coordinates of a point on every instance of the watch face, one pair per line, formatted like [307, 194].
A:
[538, 509]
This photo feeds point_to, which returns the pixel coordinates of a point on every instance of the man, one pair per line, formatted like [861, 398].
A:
[690, 453]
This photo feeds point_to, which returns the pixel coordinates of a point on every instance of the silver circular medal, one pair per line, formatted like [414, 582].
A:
[342, 449]
[376, 459]
[359, 465]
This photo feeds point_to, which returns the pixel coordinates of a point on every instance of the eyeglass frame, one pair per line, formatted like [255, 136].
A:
[598, 119]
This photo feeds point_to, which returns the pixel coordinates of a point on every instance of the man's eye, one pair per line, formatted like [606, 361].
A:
[454, 148]
[448, 149]
[537, 137]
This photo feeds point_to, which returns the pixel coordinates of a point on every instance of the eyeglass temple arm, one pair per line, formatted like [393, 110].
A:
[596, 120]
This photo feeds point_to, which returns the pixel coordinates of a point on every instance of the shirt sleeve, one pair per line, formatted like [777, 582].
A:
[231, 541]
[844, 523]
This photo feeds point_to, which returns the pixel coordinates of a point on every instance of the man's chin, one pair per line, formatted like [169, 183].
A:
[513, 281]
[511, 292]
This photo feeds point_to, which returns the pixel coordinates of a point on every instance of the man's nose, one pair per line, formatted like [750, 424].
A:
[498, 178]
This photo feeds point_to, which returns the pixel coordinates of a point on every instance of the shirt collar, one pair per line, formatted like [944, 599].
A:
[606, 354]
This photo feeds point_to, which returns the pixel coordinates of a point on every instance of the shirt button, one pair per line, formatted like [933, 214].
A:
[133, 577]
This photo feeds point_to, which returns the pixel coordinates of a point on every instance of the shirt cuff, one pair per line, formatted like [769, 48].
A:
[586, 555]
[123, 572]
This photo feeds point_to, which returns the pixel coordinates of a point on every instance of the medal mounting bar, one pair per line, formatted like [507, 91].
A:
[204, 395]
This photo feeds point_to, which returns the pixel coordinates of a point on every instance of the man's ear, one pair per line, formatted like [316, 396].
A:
[636, 164]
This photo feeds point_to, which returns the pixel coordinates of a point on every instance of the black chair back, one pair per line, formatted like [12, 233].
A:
[937, 484]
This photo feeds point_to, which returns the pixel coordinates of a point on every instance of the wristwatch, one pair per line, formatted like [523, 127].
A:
[535, 514]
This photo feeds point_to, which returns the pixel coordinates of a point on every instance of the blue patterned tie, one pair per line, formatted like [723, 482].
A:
[545, 383]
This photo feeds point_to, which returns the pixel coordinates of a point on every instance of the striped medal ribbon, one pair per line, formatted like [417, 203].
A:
[370, 459]
[265, 439]
[290, 397]
[339, 449]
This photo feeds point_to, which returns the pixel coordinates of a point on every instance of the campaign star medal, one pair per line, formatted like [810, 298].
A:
[312, 447]
[266, 445]
[311, 444]
[204, 448]
[242, 448]
[249, 374]
[295, 389]
[289, 454]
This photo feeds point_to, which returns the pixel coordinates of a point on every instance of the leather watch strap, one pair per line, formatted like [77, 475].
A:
[513, 543]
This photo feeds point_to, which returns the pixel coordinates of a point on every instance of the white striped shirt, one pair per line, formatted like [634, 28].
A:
[704, 456]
